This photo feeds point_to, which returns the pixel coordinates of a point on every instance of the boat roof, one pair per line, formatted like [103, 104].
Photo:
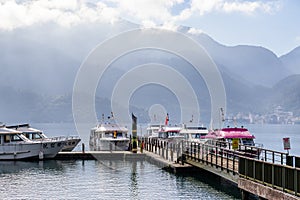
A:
[24, 128]
[5, 130]
[231, 133]
[170, 129]
[110, 128]
[194, 131]
[154, 126]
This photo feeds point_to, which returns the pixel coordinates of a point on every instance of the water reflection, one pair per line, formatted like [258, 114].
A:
[134, 181]
[19, 166]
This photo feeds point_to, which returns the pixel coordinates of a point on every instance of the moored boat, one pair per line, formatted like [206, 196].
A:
[15, 146]
[153, 129]
[225, 136]
[193, 133]
[68, 142]
[109, 137]
[170, 133]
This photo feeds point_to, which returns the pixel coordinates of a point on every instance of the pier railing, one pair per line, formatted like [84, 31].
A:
[171, 151]
[278, 176]
[271, 168]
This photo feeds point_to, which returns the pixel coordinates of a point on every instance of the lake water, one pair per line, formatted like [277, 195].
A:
[99, 180]
[120, 179]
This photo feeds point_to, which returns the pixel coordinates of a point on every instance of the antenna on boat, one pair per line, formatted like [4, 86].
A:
[192, 119]
[112, 115]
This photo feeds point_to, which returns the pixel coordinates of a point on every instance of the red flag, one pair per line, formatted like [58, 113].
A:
[167, 119]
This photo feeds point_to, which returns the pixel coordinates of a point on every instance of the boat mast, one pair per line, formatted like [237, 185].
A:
[222, 118]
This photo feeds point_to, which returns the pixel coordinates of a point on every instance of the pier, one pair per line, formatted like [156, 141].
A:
[267, 174]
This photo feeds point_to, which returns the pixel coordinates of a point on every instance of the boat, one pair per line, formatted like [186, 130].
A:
[15, 146]
[170, 133]
[109, 137]
[153, 129]
[69, 142]
[225, 136]
[193, 133]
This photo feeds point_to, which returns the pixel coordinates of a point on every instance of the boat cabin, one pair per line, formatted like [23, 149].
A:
[28, 132]
[8, 136]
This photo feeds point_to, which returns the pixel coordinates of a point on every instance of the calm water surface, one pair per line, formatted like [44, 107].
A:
[98, 180]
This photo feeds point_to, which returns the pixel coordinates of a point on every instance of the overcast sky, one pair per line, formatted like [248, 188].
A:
[273, 24]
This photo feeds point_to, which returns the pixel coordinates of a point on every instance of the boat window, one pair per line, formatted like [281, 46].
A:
[173, 133]
[119, 134]
[109, 135]
[37, 136]
[248, 141]
[196, 136]
[6, 138]
[229, 140]
[15, 138]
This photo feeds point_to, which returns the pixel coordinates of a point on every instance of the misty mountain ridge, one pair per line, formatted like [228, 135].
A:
[39, 66]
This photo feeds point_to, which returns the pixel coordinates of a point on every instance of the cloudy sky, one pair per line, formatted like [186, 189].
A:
[273, 24]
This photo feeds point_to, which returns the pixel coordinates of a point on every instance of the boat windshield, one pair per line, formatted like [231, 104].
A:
[173, 133]
[33, 135]
[196, 136]
[247, 141]
[15, 138]
[114, 134]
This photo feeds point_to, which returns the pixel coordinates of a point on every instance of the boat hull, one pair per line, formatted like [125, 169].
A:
[34, 150]
[51, 148]
[70, 143]
[110, 145]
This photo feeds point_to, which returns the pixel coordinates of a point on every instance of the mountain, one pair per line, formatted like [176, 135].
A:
[39, 66]
[251, 64]
[286, 93]
[292, 61]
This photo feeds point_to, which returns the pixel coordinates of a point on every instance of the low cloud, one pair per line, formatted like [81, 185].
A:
[150, 13]
[207, 6]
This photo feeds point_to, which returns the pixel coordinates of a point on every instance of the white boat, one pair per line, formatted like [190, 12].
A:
[170, 133]
[15, 146]
[69, 142]
[153, 129]
[109, 137]
[193, 133]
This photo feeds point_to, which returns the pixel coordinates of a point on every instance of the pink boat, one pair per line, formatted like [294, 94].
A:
[224, 137]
